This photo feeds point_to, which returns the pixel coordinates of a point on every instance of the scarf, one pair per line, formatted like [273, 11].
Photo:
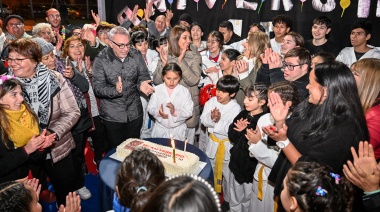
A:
[23, 126]
[39, 91]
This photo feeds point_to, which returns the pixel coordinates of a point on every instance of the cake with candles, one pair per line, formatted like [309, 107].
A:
[182, 163]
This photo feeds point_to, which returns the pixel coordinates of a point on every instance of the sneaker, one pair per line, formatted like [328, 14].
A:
[84, 193]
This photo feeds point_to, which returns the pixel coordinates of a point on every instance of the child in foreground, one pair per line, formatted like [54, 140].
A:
[139, 175]
[310, 186]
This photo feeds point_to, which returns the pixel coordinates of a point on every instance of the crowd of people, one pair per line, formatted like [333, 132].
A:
[284, 121]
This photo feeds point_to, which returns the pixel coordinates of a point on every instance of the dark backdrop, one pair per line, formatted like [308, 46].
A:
[302, 21]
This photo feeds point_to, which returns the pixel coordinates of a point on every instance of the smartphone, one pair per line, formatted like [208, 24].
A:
[67, 61]
[151, 83]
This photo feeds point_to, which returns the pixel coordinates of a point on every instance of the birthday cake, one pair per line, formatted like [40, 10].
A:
[185, 162]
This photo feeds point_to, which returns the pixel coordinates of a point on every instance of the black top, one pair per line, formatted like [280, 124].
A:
[234, 38]
[326, 47]
[241, 164]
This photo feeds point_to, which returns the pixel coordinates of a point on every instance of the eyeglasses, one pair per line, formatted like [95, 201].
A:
[16, 60]
[290, 66]
[121, 46]
[16, 24]
[54, 16]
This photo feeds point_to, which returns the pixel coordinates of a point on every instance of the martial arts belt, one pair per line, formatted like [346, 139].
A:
[260, 186]
[219, 159]
[275, 204]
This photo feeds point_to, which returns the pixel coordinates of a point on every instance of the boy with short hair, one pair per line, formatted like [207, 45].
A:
[282, 24]
[320, 29]
[218, 113]
[360, 34]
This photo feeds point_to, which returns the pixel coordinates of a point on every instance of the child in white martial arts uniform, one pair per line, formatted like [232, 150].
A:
[217, 115]
[266, 152]
[170, 105]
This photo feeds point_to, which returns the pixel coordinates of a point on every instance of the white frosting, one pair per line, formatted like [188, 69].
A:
[186, 162]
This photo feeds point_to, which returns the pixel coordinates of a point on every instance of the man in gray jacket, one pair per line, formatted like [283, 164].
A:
[119, 75]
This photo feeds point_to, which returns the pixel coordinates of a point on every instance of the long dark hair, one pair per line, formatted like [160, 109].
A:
[8, 86]
[342, 102]
[15, 197]
[141, 169]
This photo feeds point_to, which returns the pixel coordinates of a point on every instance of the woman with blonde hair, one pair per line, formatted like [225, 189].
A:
[367, 75]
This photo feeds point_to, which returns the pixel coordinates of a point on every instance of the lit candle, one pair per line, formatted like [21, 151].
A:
[173, 146]
[184, 149]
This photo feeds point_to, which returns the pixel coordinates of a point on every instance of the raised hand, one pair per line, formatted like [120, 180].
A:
[215, 115]
[182, 54]
[96, 18]
[364, 172]
[59, 42]
[278, 109]
[171, 108]
[72, 203]
[241, 124]
[169, 15]
[264, 57]
[161, 112]
[253, 136]
[241, 66]
[119, 85]
[274, 60]
[34, 184]
[88, 65]
[163, 51]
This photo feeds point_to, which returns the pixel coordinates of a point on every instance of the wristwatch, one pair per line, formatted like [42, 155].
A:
[283, 144]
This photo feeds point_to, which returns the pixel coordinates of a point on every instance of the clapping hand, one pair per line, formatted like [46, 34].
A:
[163, 51]
[274, 60]
[161, 112]
[215, 115]
[241, 66]
[253, 136]
[364, 172]
[278, 109]
[146, 88]
[241, 124]
[119, 85]
[171, 108]
[72, 203]
[35, 185]
[265, 56]
[48, 137]
[96, 18]
[276, 133]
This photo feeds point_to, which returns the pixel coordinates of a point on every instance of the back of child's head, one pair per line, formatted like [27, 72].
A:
[366, 25]
[287, 91]
[174, 67]
[231, 54]
[327, 57]
[260, 90]
[139, 28]
[138, 37]
[317, 188]
[283, 19]
[139, 175]
[155, 43]
[184, 194]
[322, 20]
[229, 84]
[15, 197]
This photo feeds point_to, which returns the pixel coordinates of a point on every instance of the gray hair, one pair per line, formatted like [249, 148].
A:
[117, 30]
[41, 26]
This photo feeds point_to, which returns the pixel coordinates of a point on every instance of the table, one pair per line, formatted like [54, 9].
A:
[109, 167]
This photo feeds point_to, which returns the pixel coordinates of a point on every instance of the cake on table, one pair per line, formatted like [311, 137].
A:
[185, 163]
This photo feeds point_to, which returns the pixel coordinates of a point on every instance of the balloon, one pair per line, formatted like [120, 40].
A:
[140, 13]
[363, 8]
[302, 4]
[344, 4]
[326, 7]
[170, 1]
[262, 1]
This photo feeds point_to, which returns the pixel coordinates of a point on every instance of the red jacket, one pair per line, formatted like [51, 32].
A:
[373, 124]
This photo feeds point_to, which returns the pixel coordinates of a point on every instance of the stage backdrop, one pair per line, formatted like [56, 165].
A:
[209, 13]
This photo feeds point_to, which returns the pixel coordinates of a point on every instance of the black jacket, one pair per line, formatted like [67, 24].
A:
[241, 164]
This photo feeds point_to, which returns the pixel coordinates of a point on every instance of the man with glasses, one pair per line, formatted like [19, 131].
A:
[14, 24]
[119, 75]
[294, 68]
[360, 34]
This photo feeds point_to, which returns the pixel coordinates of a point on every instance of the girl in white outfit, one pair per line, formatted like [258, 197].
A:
[171, 105]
